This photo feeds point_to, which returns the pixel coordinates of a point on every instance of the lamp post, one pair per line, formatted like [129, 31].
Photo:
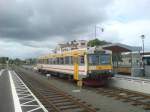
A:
[143, 37]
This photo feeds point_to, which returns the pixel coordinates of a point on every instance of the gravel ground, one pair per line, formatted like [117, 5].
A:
[105, 104]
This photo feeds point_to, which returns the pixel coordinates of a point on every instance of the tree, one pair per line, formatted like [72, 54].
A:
[3, 60]
[116, 57]
[31, 61]
[18, 61]
[97, 42]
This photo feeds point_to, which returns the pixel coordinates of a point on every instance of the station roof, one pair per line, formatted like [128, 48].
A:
[118, 47]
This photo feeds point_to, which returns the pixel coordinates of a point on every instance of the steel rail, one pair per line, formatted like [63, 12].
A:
[35, 84]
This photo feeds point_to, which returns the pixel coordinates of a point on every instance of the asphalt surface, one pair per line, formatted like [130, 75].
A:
[6, 99]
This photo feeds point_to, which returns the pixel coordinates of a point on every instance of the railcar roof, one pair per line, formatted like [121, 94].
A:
[65, 53]
[71, 52]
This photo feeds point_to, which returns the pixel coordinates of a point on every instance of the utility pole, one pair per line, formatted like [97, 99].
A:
[7, 63]
[95, 30]
[143, 37]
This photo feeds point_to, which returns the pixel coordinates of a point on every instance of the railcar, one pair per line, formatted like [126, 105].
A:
[85, 64]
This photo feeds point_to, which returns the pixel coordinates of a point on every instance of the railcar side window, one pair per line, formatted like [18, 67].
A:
[53, 60]
[71, 60]
[49, 61]
[57, 60]
[39, 61]
[45, 61]
[81, 60]
[61, 60]
[67, 60]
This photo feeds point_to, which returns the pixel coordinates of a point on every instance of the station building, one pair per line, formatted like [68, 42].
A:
[75, 44]
[126, 59]
[146, 59]
[132, 71]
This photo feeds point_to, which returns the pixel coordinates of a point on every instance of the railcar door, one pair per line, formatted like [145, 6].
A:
[76, 68]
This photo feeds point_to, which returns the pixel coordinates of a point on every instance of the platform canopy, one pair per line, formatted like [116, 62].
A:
[118, 47]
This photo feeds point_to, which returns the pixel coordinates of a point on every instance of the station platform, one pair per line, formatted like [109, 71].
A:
[137, 84]
[6, 100]
[15, 96]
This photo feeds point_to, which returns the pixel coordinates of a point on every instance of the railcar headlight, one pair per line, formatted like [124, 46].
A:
[90, 71]
[110, 70]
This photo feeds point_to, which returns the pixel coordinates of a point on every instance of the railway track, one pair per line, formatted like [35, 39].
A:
[134, 98]
[54, 99]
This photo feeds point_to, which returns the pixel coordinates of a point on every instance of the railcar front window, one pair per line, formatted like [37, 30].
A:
[105, 59]
[93, 59]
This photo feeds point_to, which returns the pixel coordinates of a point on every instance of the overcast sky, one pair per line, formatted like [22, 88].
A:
[29, 28]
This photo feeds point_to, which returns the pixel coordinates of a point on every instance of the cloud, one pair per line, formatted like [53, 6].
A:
[129, 32]
[129, 10]
[38, 20]
[33, 27]
[20, 51]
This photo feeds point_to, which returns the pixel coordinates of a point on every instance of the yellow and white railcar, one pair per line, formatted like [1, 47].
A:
[79, 63]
